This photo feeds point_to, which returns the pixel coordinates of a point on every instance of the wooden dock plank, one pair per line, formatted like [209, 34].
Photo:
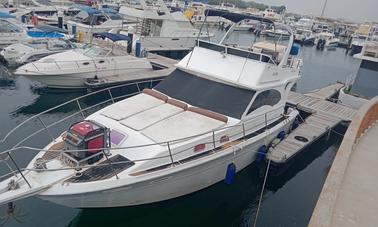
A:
[312, 105]
[326, 92]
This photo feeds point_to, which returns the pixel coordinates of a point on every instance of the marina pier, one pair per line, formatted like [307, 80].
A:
[349, 195]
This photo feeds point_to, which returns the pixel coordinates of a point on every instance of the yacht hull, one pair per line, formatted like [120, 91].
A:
[76, 80]
[184, 179]
[168, 43]
[351, 100]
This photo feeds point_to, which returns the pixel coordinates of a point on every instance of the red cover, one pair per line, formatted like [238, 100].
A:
[95, 143]
[83, 128]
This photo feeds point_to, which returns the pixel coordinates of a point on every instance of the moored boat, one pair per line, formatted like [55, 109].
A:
[72, 68]
[363, 87]
[33, 50]
[207, 118]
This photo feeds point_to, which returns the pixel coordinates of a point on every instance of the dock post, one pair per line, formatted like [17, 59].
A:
[138, 48]
[329, 133]
[130, 43]
[60, 19]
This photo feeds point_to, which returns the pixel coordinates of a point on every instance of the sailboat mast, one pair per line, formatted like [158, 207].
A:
[324, 7]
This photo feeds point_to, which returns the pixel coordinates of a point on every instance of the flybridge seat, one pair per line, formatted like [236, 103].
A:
[208, 113]
[156, 94]
[269, 48]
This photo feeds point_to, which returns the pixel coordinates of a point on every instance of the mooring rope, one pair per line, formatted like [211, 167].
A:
[262, 193]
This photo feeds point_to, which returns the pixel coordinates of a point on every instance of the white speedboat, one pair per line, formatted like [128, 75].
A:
[364, 86]
[246, 25]
[326, 40]
[11, 31]
[205, 121]
[71, 69]
[278, 33]
[22, 53]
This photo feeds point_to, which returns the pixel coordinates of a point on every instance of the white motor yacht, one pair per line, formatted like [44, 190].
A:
[71, 69]
[204, 122]
[364, 86]
[22, 53]
[90, 20]
[278, 33]
[363, 33]
[160, 30]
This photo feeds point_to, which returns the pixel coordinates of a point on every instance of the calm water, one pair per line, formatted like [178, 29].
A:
[288, 199]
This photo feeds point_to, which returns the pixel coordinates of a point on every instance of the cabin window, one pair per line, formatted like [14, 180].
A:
[116, 137]
[265, 98]
[205, 93]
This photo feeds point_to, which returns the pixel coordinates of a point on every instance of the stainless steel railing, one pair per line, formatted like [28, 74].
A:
[213, 138]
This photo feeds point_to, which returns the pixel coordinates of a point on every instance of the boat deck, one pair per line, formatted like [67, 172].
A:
[163, 66]
[104, 170]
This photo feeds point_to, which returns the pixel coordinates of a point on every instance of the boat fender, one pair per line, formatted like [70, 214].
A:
[295, 124]
[281, 135]
[230, 173]
[138, 48]
[295, 48]
[261, 153]
[34, 20]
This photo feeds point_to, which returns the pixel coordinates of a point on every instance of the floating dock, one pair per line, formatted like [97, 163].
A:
[349, 195]
[311, 104]
[314, 127]
[324, 116]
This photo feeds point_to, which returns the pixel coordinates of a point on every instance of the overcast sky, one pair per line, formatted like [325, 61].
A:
[358, 10]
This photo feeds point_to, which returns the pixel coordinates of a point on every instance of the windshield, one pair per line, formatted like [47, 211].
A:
[6, 27]
[218, 97]
[94, 51]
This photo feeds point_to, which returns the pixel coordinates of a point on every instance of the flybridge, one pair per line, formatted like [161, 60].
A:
[235, 51]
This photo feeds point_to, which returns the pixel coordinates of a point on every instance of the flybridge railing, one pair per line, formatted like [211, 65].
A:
[207, 141]
[236, 51]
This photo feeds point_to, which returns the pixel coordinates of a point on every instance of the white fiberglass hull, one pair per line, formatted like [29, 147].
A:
[351, 100]
[168, 43]
[73, 74]
[75, 80]
[181, 180]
